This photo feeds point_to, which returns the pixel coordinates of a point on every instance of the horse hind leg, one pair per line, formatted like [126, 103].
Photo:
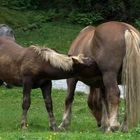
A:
[110, 103]
[71, 83]
[95, 104]
[1, 82]
[46, 92]
[7, 85]
[26, 101]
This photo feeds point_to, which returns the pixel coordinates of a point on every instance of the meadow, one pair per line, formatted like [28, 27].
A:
[83, 125]
[58, 35]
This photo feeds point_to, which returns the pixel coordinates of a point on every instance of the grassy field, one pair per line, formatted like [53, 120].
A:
[53, 35]
[83, 125]
[32, 27]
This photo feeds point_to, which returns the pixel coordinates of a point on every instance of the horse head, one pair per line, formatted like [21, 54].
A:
[6, 31]
[82, 60]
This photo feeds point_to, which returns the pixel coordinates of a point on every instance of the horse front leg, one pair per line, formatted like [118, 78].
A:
[46, 92]
[1, 82]
[71, 84]
[27, 86]
[110, 102]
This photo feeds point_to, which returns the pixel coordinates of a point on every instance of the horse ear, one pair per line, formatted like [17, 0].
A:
[80, 59]
[76, 60]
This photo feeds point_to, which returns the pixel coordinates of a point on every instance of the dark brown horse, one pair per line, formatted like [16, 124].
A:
[113, 46]
[34, 67]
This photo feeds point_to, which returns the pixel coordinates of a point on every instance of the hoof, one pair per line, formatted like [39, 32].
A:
[110, 128]
[24, 126]
[99, 125]
[54, 128]
[124, 127]
[114, 128]
[24, 129]
[61, 128]
[103, 128]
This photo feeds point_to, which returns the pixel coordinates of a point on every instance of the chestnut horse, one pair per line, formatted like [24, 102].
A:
[115, 48]
[34, 67]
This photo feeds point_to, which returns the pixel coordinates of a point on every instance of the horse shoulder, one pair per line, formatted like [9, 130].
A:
[31, 63]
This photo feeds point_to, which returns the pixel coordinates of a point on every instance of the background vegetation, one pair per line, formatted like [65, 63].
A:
[32, 27]
[56, 23]
[81, 11]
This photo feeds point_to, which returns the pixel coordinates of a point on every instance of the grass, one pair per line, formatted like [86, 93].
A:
[32, 27]
[83, 125]
[53, 35]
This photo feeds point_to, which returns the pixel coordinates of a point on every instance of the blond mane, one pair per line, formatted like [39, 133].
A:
[56, 59]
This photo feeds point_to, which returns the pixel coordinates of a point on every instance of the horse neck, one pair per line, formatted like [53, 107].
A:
[54, 73]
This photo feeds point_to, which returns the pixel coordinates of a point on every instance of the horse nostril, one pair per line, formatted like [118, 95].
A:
[99, 125]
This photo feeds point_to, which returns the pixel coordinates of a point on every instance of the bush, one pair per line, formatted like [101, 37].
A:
[137, 22]
[21, 4]
[85, 18]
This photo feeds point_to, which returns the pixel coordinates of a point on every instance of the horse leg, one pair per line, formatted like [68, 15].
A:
[46, 92]
[1, 82]
[111, 102]
[26, 101]
[7, 85]
[95, 104]
[71, 83]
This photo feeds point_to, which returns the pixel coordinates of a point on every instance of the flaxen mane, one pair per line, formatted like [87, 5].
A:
[56, 59]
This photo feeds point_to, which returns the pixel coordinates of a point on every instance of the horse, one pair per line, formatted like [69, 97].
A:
[115, 49]
[35, 67]
[8, 32]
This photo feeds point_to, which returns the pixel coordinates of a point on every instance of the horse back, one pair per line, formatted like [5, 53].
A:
[109, 45]
[82, 43]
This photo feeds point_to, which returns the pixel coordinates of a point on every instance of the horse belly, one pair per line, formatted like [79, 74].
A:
[10, 74]
[11, 79]
[91, 76]
[92, 81]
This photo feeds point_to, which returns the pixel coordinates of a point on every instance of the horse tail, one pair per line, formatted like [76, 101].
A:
[131, 78]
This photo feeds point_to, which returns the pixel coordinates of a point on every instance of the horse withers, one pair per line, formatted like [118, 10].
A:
[114, 47]
[35, 67]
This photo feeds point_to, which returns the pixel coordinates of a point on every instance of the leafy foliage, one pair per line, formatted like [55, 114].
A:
[81, 11]
[21, 4]
[137, 22]
[85, 18]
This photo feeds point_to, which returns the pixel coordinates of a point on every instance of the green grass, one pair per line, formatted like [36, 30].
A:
[32, 27]
[83, 125]
[53, 35]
